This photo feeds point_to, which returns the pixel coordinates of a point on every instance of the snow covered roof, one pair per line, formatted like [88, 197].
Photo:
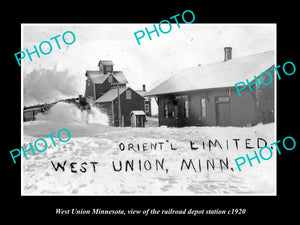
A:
[120, 77]
[98, 77]
[137, 113]
[216, 75]
[106, 62]
[111, 95]
[141, 92]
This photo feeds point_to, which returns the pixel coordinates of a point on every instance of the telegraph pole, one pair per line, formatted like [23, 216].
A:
[119, 105]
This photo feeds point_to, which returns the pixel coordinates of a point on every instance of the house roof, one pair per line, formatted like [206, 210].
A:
[98, 77]
[106, 62]
[141, 92]
[137, 113]
[216, 75]
[120, 77]
[111, 95]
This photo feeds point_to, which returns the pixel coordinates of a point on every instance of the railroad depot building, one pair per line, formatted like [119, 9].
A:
[205, 95]
[106, 86]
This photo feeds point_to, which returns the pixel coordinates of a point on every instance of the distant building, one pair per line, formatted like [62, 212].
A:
[205, 95]
[100, 81]
[143, 93]
[130, 100]
[104, 87]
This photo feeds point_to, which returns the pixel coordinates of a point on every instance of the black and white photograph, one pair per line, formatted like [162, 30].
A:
[149, 111]
[131, 110]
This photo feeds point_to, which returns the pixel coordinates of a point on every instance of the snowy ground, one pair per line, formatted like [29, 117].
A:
[99, 144]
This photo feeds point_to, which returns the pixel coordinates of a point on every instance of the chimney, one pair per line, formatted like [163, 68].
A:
[228, 53]
[144, 87]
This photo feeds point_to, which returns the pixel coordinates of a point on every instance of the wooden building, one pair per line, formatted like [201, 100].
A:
[137, 118]
[129, 101]
[105, 86]
[206, 96]
[100, 81]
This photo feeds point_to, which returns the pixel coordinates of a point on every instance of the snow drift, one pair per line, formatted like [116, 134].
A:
[89, 156]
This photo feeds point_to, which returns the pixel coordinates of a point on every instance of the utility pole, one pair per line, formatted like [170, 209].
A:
[119, 105]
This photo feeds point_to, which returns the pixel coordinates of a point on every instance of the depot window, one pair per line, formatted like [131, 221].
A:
[166, 109]
[203, 107]
[186, 109]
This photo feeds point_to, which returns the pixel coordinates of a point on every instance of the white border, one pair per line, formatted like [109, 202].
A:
[91, 24]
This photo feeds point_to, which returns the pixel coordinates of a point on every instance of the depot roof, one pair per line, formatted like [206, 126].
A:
[216, 75]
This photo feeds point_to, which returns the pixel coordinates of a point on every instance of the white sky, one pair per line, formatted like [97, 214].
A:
[149, 63]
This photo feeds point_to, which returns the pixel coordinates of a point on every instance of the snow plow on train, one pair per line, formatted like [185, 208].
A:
[30, 112]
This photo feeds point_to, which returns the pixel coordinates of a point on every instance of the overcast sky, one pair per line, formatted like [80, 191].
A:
[61, 74]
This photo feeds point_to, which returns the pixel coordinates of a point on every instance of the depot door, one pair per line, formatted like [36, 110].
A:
[176, 116]
[223, 111]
